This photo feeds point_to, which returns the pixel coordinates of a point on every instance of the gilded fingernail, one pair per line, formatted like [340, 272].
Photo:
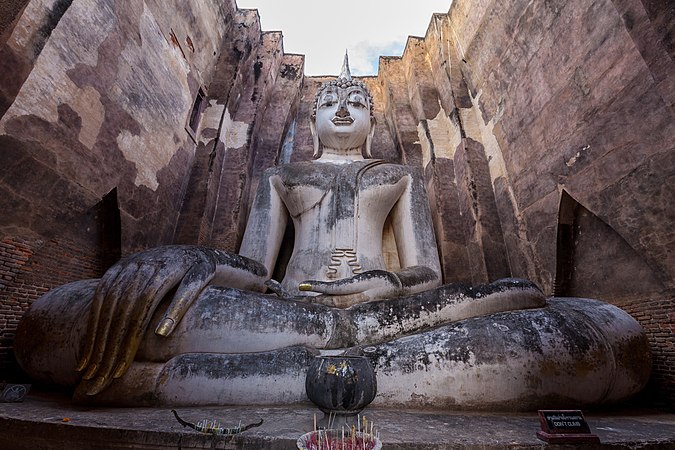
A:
[305, 287]
[91, 371]
[120, 370]
[97, 386]
[82, 364]
[165, 327]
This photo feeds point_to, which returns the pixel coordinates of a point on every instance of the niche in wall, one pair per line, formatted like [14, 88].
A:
[593, 260]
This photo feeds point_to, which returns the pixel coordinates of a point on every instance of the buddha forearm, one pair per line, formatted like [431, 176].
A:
[380, 321]
[417, 279]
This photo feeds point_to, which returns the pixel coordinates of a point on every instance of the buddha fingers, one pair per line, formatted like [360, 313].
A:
[134, 299]
[130, 282]
[108, 313]
[142, 313]
[192, 284]
[95, 313]
[126, 300]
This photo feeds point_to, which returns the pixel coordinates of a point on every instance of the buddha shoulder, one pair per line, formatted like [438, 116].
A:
[302, 174]
[386, 174]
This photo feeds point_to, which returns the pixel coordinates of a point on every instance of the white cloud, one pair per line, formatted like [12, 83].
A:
[322, 30]
[364, 55]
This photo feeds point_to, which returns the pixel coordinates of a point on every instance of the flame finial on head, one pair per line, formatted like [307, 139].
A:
[345, 74]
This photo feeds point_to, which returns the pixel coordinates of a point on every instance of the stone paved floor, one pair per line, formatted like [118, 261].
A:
[50, 421]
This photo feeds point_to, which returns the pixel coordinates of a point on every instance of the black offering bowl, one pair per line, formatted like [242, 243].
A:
[341, 386]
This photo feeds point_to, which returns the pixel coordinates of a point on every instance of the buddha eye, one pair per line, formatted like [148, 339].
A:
[357, 100]
[327, 101]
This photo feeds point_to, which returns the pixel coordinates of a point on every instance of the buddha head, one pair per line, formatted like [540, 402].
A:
[342, 118]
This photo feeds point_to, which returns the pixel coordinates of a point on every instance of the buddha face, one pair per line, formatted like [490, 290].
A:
[343, 117]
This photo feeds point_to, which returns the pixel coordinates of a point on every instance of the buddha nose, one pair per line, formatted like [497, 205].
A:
[342, 110]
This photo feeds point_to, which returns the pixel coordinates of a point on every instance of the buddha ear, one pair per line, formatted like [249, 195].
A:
[369, 140]
[315, 138]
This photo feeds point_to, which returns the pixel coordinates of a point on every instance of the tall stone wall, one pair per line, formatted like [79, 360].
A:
[547, 135]
[544, 131]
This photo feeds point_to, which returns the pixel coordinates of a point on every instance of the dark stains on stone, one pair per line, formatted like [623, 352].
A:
[581, 81]
[190, 44]
[570, 327]
[148, 398]
[289, 71]
[70, 119]
[457, 120]
[427, 133]
[257, 70]
[304, 318]
[474, 196]
[137, 99]
[174, 42]
[500, 337]
[344, 333]
[116, 120]
[215, 366]
[416, 275]
[238, 54]
[636, 361]
[14, 70]
[389, 313]
[53, 17]
[37, 175]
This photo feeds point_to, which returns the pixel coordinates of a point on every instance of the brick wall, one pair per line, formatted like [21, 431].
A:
[657, 317]
[28, 269]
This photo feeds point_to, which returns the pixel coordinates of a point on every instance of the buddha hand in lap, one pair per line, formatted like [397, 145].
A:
[172, 311]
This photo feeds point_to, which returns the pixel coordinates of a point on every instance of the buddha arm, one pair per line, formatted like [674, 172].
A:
[415, 239]
[266, 223]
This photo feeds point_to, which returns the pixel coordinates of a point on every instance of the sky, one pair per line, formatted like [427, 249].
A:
[368, 29]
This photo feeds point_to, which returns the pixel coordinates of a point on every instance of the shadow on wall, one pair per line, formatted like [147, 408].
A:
[110, 229]
[593, 260]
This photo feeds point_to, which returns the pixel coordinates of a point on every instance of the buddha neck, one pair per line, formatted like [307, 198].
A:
[340, 156]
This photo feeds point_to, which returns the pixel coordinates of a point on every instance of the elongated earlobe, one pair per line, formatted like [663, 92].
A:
[369, 140]
[315, 138]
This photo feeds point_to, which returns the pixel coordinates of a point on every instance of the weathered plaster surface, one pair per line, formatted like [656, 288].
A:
[50, 76]
[233, 134]
[153, 148]
[444, 137]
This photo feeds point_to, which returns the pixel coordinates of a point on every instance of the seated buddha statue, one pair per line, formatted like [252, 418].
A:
[189, 325]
